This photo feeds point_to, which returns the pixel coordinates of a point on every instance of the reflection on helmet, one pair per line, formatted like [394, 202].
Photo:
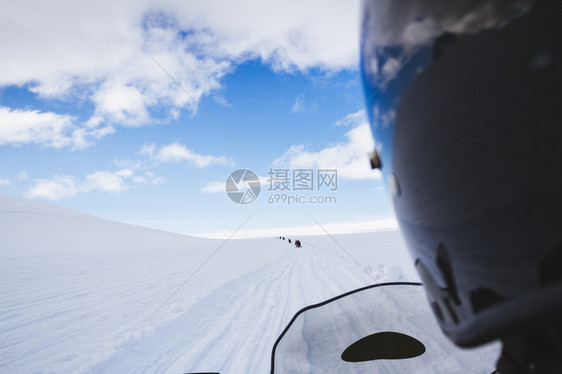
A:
[465, 103]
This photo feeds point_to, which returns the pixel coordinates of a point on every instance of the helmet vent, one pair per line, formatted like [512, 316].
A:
[444, 264]
[439, 297]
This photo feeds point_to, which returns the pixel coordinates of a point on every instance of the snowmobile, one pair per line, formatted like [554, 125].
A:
[463, 99]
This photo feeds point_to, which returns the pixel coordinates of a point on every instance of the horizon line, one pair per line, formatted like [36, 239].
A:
[385, 224]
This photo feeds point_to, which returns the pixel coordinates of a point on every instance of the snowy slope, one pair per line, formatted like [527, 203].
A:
[85, 295]
[29, 227]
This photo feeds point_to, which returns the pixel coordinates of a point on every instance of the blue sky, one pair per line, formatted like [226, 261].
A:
[138, 112]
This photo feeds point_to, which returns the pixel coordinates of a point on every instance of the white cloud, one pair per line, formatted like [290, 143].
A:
[213, 187]
[148, 177]
[221, 100]
[66, 186]
[176, 152]
[61, 186]
[99, 51]
[157, 180]
[105, 181]
[148, 149]
[24, 127]
[125, 173]
[84, 137]
[20, 127]
[139, 179]
[298, 106]
[129, 164]
[349, 158]
[121, 104]
[4, 182]
[289, 35]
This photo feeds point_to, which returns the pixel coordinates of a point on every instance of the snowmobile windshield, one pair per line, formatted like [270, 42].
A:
[385, 328]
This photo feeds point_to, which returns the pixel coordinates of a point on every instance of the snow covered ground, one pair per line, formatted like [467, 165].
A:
[85, 295]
